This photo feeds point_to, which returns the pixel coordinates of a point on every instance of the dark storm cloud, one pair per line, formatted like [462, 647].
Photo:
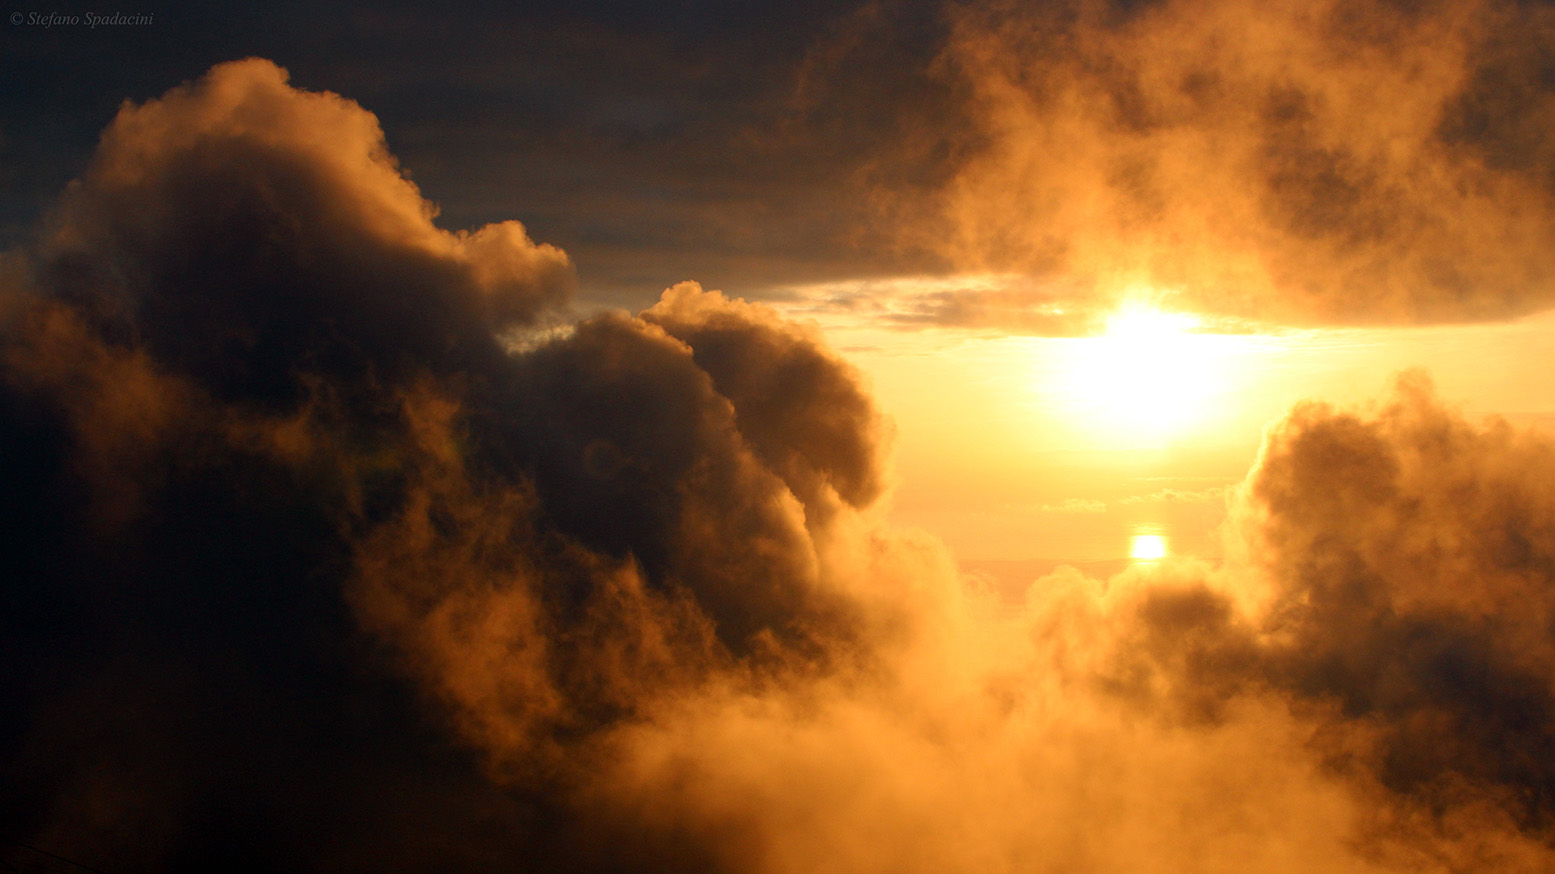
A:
[1404, 575]
[258, 416]
[237, 227]
[312, 563]
[639, 454]
[801, 408]
[1414, 558]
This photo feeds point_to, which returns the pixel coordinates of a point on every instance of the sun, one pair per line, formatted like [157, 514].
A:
[1148, 376]
[1147, 547]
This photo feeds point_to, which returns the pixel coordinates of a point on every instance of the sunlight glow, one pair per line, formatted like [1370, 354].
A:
[1148, 377]
[1147, 547]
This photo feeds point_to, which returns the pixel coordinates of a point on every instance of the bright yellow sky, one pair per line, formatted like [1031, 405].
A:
[1022, 448]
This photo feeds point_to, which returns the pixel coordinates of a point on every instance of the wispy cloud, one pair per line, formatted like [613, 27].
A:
[1178, 496]
[1075, 505]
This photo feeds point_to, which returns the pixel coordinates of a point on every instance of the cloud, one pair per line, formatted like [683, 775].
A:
[1076, 505]
[1333, 164]
[801, 407]
[1346, 163]
[1178, 496]
[251, 386]
[1410, 557]
[237, 225]
[1397, 599]
[341, 579]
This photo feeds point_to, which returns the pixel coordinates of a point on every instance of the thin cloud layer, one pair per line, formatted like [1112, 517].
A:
[1336, 163]
[307, 569]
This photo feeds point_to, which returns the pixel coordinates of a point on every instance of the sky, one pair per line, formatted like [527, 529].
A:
[1078, 436]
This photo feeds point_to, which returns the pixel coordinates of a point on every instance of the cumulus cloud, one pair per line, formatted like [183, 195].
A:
[1413, 591]
[239, 226]
[250, 386]
[1329, 163]
[343, 581]
[801, 407]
